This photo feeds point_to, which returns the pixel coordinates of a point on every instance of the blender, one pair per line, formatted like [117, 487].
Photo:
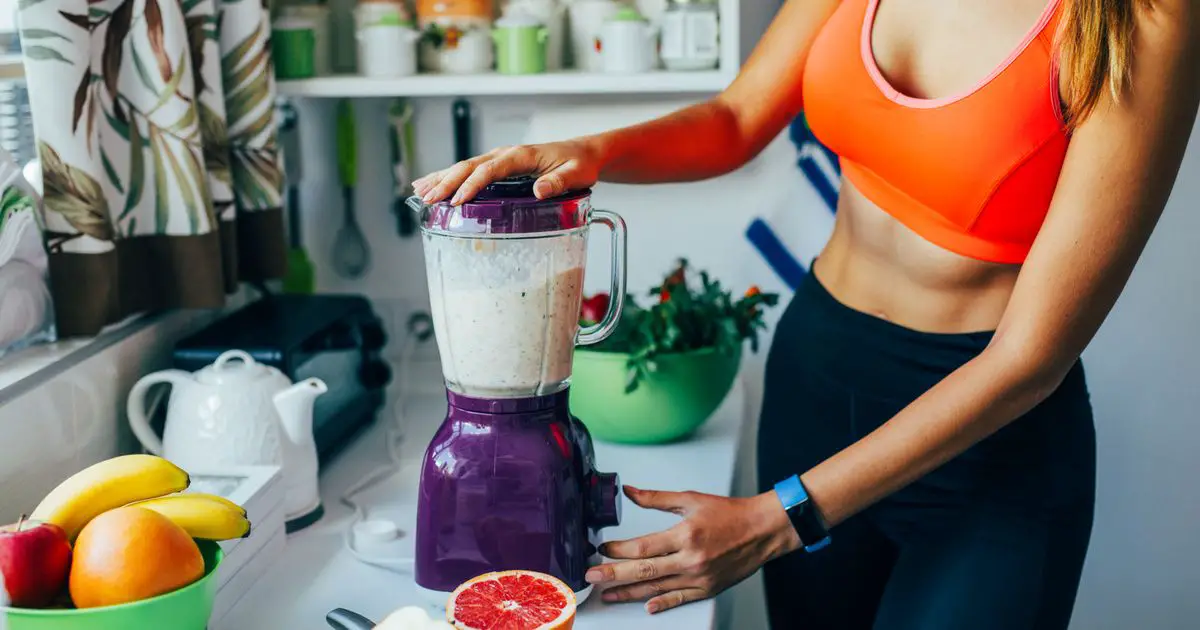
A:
[509, 481]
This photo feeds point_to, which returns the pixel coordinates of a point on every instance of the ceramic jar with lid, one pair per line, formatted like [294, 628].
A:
[553, 15]
[456, 35]
[627, 43]
[691, 35]
[387, 40]
[520, 44]
[314, 16]
[586, 19]
[293, 45]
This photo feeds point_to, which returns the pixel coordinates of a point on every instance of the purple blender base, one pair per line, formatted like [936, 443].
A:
[510, 484]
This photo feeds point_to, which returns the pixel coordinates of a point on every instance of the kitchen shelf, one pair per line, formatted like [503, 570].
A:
[493, 84]
[11, 66]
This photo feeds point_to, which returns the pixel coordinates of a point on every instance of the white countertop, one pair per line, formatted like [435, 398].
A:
[315, 574]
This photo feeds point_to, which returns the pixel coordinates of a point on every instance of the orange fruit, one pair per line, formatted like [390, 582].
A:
[130, 554]
[512, 600]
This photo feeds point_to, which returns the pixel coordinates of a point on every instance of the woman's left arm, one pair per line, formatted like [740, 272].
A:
[1118, 174]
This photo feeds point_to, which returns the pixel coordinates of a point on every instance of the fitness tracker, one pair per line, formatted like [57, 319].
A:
[802, 513]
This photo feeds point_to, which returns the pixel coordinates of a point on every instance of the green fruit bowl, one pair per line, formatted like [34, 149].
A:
[669, 404]
[188, 608]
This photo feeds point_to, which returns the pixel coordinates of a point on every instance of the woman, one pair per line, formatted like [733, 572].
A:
[1004, 165]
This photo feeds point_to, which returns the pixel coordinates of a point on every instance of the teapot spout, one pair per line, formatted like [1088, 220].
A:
[295, 408]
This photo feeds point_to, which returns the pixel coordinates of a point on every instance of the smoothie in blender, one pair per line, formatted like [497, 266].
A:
[506, 316]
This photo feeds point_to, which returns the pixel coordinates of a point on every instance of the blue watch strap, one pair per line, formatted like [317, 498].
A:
[800, 511]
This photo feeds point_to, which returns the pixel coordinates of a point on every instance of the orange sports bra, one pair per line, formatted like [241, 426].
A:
[974, 172]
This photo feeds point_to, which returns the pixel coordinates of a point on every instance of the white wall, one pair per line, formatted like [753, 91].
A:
[1143, 570]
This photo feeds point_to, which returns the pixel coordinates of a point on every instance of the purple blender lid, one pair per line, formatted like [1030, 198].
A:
[508, 206]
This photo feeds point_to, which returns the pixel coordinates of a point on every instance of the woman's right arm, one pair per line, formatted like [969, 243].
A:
[698, 142]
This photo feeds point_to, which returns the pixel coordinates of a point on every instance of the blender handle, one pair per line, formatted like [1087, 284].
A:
[616, 302]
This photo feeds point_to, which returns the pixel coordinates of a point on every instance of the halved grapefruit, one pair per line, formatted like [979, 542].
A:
[512, 600]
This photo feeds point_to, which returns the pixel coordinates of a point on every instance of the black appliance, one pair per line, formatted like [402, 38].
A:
[337, 338]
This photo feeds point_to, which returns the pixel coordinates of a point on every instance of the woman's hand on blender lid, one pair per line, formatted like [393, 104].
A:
[559, 166]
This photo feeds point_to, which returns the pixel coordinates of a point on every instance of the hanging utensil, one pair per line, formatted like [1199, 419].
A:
[460, 110]
[300, 277]
[400, 115]
[351, 256]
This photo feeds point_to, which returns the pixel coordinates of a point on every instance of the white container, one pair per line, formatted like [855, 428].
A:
[587, 18]
[387, 41]
[463, 45]
[376, 12]
[627, 43]
[691, 35]
[387, 50]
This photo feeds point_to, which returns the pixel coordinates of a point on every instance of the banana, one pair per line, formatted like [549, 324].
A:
[203, 516]
[204, 495]
[106, 485]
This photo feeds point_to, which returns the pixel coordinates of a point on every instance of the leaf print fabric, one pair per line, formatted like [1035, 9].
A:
[156, 136]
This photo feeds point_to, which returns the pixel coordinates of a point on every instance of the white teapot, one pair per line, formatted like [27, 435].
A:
[236, 412]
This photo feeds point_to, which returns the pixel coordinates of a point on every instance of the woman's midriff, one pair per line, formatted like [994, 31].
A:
[874, 264]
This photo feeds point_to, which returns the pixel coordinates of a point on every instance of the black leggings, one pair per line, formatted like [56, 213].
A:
[993, 539]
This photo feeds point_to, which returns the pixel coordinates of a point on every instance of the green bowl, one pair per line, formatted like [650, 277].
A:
[188, 608]
[668, 404]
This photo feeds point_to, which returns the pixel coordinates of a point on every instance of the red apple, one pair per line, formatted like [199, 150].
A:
[35, 559]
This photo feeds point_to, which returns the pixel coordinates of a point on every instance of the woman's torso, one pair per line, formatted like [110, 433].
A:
[964, 156]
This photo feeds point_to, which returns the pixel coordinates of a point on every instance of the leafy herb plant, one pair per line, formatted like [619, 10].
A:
[683, 316]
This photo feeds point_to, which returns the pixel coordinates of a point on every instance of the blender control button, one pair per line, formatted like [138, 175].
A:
[376, 531]
[606, 500]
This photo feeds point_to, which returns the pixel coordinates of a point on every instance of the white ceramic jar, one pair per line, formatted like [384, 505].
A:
[456, 36]
[587, 18]
[387, 41]
[627, 43]
[691, 35]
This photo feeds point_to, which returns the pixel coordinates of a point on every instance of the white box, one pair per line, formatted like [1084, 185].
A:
[259, 490]
[242, 581]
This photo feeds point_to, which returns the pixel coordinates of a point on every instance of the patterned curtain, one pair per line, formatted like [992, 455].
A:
[156, 130]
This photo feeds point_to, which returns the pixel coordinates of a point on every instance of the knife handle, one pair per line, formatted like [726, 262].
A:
[342, 619]
[461, 111]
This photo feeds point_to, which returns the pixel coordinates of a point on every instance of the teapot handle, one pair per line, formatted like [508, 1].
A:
[135, 406]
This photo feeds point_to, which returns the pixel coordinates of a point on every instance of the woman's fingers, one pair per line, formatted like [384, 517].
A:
[646, 590]
[649, 546]
[675, 502]
[559, 181]
[504, 162]
[438, 185]
[451, 179]
[635, 570]
[424, 184]
[674, 599]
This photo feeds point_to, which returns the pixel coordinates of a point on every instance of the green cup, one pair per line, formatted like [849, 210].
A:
[520, 46]
[293, 48]
[188, 608]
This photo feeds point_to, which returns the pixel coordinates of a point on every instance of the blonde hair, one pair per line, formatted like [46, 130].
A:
[1096, 53]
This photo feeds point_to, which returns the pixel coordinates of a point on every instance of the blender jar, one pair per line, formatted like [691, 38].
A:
[505, 274]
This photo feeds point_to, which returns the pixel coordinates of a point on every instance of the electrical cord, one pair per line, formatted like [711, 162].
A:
[420, 330]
